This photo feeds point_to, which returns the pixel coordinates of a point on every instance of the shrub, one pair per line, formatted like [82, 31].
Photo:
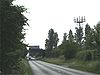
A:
[87, 55]
[70, 50]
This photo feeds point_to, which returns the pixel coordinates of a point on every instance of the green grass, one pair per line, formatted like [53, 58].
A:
[88, 66]
[55, 61]
[25, 68]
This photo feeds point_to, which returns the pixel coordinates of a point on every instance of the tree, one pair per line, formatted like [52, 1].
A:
[97, 36]
[12, 46]
[46, 44]
[79, 35]
[89, 37]
[51, 42]
[51, 39]
[70, 37]
[69, 47]
[56, 39]
[64, 37]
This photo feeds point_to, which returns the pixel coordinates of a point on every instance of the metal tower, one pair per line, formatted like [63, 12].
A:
[79, 20]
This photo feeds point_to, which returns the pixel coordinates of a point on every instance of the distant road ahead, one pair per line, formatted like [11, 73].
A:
[43, 68]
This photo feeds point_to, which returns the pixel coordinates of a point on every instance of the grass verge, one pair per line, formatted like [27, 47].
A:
[25, 67]
[88, 66]
[54, 61]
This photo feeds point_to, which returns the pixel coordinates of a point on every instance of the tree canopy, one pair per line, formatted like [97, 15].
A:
[12, 46]
[51, 42]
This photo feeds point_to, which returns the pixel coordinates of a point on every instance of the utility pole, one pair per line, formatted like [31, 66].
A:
[79, 20]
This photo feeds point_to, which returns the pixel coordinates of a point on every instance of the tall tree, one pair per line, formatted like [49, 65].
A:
[89, 37]
[51, 42]
[70, 36]
[64, 38]
[56, 39]
[12, 46]
[97, 36]
[79, 35]
[51, 38]
[46, 44]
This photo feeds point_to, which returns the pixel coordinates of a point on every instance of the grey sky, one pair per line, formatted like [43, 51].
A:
[56, 14]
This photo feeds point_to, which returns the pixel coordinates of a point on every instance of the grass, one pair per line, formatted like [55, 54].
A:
[54, 61]
[88, 66]
[59, 61]
[25, 67]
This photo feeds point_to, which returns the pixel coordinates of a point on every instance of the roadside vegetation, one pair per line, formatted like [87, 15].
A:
[58, 61]
[88, 66]
[12, 31]
[25, 68]
[80, 50]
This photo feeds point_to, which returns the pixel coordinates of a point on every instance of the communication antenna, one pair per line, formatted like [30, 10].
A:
[79, 20]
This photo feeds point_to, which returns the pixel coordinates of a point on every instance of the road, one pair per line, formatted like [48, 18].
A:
[43, 68]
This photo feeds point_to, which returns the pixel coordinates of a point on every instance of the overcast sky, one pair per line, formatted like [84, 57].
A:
[57, 14]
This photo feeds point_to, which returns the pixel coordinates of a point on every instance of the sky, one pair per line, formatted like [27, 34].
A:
[58, 15]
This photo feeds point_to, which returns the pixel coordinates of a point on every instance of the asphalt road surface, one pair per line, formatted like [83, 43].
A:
[43, 68]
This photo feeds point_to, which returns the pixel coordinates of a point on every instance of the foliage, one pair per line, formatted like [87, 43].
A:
[64, 37]
[56, 52]
[79, 35]
[85, 50]
[51, 42]
[62, 47]
[97, 36]
[70, 50]
[24, 67]
[88, 55]
[56, 39]
[70, 37]
[12, 47]
[89, 37]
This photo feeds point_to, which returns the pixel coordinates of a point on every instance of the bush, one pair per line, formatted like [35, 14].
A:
[70, 50]
[87, 55]
[55, 53]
